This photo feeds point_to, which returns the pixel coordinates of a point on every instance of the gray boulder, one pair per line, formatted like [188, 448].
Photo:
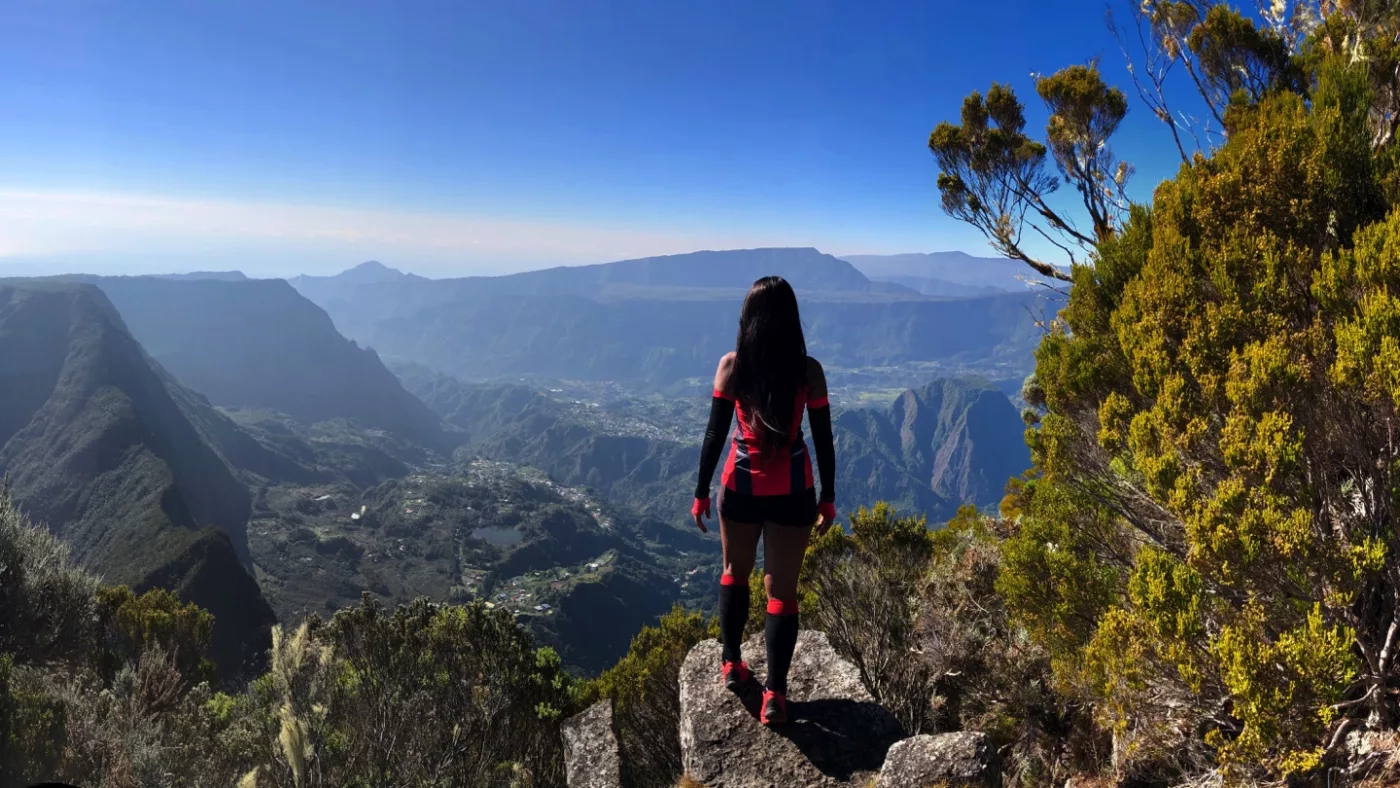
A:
[838, 735]
[591, 758]
[956, 760]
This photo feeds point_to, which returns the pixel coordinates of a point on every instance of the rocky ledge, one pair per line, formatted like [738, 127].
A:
[839, 736]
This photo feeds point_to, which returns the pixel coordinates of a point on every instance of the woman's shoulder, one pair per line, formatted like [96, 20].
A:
[814, 367]
[724, 375]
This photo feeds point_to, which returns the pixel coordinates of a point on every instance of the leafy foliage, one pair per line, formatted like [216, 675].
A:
[47, 608]
[936, 644]
[1208, 545]
[877, 569]
[427, 695]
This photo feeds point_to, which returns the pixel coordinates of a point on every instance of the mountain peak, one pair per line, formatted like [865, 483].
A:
[369, 272]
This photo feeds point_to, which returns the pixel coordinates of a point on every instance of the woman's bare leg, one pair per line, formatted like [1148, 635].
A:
[784, 547]
[740, 545]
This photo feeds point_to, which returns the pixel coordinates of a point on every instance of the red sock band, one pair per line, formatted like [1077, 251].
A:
[779, 607]
[727, 579]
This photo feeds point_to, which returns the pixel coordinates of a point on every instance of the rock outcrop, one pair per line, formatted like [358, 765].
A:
[591, 756]
[951, 759]
[838, 736]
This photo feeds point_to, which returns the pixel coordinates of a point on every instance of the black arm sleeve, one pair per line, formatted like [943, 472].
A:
[825, 445]
[721, 418]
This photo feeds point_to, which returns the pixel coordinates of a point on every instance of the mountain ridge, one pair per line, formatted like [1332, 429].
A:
[259, 344]
[960, 440]
[96, 446]
[937, 446]
[949, 273]
[583, 322]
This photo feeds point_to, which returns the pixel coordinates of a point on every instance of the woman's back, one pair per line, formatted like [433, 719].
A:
[759, 463]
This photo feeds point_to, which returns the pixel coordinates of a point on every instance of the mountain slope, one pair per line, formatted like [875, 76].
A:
[947, 273]
[259, 344]
[369, 273]
[96, 446]
[807, 269]
[657, 320]
[223, 276]
[658, 341]
[957, 440]
[948, 443]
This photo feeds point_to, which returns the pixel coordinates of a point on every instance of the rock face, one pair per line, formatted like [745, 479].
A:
[838, 735]
[590, 749]
[951, 759]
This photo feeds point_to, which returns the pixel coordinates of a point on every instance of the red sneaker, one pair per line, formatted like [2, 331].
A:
[736, 675]
[774, 708]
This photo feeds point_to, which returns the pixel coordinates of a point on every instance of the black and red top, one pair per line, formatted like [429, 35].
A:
[782, 470]
[752, 468]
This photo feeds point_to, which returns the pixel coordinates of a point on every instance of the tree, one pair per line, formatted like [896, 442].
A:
[1231, 60]
[1208, 545]
[936, 644]
[156, 620]
[994, 176]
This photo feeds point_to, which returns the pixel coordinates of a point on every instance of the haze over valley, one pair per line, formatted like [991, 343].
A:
[527, 440]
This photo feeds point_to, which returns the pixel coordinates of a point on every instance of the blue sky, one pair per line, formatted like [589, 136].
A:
[468, 137]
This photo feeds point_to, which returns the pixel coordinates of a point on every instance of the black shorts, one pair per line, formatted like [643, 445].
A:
[798, 510]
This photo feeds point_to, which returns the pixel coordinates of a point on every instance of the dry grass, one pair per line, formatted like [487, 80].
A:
[1379, 760]
[687, 782]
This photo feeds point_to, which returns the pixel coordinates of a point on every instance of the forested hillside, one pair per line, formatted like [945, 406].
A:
[95, 443]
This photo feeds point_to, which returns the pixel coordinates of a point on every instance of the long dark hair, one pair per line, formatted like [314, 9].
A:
[770, 358]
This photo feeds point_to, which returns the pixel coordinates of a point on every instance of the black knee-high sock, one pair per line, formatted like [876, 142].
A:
[733, 614]
[780, 632]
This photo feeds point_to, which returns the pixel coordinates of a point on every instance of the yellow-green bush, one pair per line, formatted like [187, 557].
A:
[1207, 546]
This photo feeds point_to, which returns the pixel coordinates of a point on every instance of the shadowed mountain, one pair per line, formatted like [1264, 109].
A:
[259, 344]
[954, 439]
[935, 448]
[96, 443]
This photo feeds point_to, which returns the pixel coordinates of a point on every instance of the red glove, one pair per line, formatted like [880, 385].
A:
[701, 510]
[700, 507]
[827, 511]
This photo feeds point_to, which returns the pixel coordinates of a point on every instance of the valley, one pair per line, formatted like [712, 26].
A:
[490, 531]
[520, 442]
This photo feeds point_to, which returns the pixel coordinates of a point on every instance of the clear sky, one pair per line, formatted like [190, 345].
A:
[467, 137]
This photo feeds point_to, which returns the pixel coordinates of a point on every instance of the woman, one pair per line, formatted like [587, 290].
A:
[767, 484]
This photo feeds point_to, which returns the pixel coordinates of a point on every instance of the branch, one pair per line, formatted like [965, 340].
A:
[1042, 283]
[1158, 106]
[1037, 202]
[1043, 268]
